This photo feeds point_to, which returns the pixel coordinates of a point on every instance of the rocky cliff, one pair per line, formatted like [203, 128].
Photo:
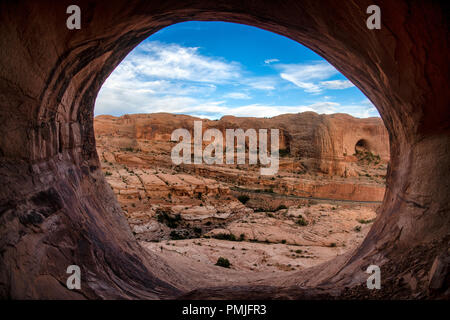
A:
[322, 143]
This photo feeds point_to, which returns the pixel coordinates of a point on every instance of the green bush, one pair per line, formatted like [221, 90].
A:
[223, 262]
[363, 221]
[176, 236]
[225, 236]
[301, 221]
[197, 230]
[107, 173]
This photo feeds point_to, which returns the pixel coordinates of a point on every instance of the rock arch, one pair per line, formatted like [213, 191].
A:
[56, 209]
[362, 145]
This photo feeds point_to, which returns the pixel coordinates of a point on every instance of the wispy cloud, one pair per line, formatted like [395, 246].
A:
[159, 77]
[237, 95]
[172, 61]
[269, 61]
[336, 84]
[215, 110]
[309, 76]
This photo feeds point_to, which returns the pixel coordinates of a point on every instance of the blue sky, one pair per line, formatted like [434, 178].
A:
[212, 69]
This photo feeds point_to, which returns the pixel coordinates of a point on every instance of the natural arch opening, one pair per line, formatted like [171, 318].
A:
[362, 146]
[58, 211]
[314, 206]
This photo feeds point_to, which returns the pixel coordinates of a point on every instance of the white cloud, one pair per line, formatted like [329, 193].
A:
[237, 95]
[260, 83]
[308, 76]
[170, 78]
[154, 71]
[336, 84]
[307, 86]
[217, 109]
[172, 61]
[269, 61]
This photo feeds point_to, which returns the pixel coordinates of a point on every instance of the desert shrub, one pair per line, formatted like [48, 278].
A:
[177, 236]
[225, 236]
[298, 251]
[270, 215]
[197, 230]
[333, 245]
[301, 221]
[367, 156]
[107, 173]
[363, 221]
[357, 228]
[283, 241]
[223, 262]
[243, 198]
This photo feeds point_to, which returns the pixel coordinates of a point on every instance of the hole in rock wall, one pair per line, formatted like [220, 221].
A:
[48, 148]
[362, 146]
[227, 77]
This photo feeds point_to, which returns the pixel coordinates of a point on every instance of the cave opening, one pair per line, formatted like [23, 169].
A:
[49, 83]
[362, 146]
[228, 209]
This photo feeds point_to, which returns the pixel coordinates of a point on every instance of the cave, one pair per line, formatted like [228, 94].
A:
[56, 209]
[362, 146]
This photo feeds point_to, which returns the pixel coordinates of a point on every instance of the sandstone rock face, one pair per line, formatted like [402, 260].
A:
[324, 143]
[57, 210]
[314, 160]
[269, 244]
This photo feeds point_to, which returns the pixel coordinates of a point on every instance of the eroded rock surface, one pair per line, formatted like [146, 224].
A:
[56, 208]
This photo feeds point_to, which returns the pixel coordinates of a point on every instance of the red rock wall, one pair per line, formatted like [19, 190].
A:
[55, 208]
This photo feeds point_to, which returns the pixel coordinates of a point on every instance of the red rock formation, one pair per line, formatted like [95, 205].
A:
[55, 206]
[324, 142]
[312, 144]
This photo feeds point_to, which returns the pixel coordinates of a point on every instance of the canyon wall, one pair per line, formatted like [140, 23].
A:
[323, 143]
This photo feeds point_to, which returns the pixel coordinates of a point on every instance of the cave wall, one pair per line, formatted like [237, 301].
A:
[55, 206]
